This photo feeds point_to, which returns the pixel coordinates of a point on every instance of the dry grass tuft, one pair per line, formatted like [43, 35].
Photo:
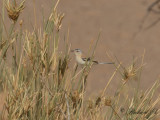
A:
[40, 85]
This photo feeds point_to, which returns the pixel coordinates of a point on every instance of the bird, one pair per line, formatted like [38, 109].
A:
[82, 61]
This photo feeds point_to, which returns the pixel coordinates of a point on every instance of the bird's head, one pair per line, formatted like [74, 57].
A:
[77, 52]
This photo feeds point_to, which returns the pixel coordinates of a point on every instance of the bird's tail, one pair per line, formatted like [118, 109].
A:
[106, 63]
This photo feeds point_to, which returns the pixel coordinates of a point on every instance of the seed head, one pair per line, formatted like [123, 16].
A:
[98, 101]
[129, 72]
[13, 10]
[107, 102]
[57, 19]
[21, 23]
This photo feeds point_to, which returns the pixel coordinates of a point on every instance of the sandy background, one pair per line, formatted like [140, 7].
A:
[118, 21]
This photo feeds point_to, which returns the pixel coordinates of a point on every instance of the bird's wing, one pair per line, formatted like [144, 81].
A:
[85, 59]
[89, 59]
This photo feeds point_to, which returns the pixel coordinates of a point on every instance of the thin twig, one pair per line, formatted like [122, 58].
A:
[150, 8]
[110, 80]
[115, 112]
[68, 112]
[4, 27]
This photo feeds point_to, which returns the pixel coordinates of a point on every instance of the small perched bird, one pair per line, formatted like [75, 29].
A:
[80, 60]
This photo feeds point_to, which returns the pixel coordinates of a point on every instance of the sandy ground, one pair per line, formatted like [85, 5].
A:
[118, 21]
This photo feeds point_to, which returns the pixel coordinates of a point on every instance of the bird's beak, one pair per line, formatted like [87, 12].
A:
[72, 50]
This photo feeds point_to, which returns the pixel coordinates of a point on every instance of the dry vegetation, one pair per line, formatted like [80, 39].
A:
[41, 86]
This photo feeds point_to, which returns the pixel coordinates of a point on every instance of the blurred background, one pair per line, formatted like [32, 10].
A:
[127, 29]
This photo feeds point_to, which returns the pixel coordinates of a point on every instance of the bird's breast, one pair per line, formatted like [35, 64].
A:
[79, 60]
